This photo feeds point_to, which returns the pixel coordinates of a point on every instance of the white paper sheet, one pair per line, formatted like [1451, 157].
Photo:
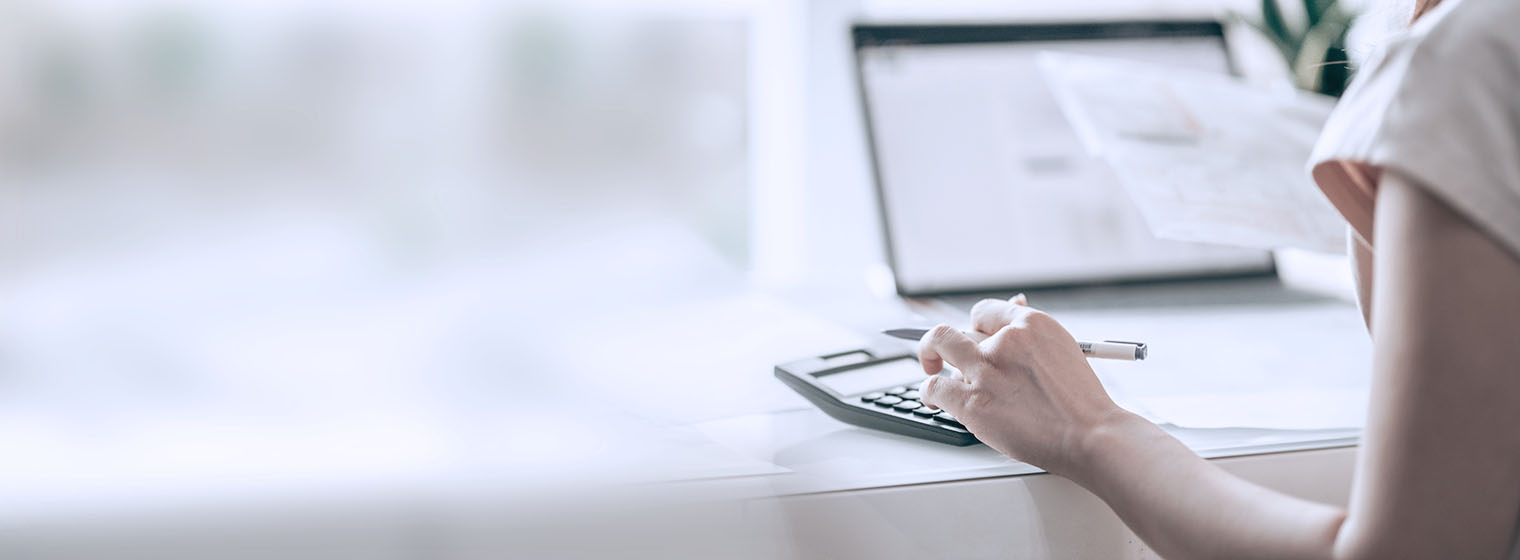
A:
[1297, 367]
[1206, 157]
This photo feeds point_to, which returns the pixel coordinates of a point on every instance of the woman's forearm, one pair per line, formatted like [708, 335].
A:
[1185, 507]
[1028, 392]
[1361, 273]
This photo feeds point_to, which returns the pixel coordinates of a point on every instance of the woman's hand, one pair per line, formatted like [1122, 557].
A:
[1025, 389]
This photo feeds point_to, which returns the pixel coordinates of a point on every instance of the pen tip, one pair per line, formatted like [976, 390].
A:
[907, 334]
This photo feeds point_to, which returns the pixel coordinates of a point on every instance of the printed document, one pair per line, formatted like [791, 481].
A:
[1206, 157]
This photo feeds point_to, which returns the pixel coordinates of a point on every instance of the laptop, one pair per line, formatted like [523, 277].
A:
[984, 188]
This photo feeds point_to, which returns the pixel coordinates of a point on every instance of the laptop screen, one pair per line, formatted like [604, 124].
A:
[982, 183]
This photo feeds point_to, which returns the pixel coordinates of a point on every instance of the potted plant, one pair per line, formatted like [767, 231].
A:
[1314, 48]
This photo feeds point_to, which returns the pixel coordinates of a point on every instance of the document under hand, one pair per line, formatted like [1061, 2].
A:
[1206, 157]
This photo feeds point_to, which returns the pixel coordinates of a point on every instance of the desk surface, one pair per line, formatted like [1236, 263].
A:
[455, 393]
[824, 455]
[821, 454]
[525, 475]
[634, 411]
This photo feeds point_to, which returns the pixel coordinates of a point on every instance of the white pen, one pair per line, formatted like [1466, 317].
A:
[1107, 349]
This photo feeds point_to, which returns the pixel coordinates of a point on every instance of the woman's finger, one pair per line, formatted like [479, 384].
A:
[990, 315]
[945, 392]
[946, 343]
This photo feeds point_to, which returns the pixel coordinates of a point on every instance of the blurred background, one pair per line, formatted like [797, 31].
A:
[335, 252]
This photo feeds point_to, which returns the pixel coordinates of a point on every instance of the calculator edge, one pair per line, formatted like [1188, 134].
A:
[859, 416]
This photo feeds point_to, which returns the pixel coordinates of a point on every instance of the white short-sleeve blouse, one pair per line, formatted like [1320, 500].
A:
[1439, 104]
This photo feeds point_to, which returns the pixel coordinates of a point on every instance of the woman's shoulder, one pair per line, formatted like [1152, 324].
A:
[1440, 105]
[1467, 30]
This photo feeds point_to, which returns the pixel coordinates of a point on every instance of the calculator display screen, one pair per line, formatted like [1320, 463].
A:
[887, 374]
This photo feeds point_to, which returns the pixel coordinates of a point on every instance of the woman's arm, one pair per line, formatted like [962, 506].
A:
[1439, 474]
[1361, 272]
[1437, 470]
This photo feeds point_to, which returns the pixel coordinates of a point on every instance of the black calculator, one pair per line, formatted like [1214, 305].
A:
[873, 388]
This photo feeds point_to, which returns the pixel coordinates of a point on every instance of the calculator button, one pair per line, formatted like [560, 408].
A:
[871, 397]
[926, 411]
[888, 400]
[910, 395]
[897, 390]
[907, 405]
[948, 419]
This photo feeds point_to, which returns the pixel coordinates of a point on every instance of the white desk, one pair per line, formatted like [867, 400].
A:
[853, 492]
[445, 468]
[1033, 516]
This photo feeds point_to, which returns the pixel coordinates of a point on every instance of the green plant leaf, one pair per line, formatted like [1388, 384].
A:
[1272, 19]
[1334, 13]
[1317, 41]
[1312, 11]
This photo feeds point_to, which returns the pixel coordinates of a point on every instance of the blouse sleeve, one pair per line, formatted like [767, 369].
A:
[1441, 107]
